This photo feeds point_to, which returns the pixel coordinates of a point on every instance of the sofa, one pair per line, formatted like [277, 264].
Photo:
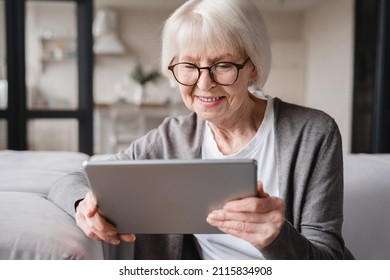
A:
[366, 205]
[31, 227]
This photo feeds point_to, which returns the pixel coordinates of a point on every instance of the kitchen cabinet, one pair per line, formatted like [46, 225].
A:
[118, 124]
[58, 49]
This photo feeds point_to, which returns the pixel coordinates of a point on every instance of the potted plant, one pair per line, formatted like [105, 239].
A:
[142, 78]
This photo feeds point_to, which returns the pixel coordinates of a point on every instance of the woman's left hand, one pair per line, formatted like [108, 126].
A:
[257, 220]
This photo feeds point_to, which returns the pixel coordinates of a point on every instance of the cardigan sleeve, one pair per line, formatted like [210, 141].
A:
[69, 189]
[312, 176]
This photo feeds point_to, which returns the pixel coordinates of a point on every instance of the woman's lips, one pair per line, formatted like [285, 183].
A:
[209, 99]
[209, 102]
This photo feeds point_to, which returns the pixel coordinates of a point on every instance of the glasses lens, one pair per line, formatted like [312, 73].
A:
[224, 73]
[186, 73]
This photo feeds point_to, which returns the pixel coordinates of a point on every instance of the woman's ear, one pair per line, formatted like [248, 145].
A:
[255, 74]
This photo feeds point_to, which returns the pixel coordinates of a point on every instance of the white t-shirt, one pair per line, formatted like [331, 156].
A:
[262, 149]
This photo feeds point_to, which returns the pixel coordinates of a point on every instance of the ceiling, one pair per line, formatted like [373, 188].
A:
[266, 5]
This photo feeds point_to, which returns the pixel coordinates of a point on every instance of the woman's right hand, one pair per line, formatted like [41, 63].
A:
[94, 225]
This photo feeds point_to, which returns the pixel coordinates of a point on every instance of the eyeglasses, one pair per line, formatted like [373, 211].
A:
[221, 73]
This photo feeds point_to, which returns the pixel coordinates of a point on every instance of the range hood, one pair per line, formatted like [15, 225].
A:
[106, 40]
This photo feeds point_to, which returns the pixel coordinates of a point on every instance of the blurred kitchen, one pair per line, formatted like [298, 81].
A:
[313, 65]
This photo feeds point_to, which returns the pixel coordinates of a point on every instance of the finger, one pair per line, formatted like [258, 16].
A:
[221, 218]
[82, 224]
[81, 218]
[107, 236]
[93, 224]
[237, 226]
[127, 237]
[92, 215]
[102, 228]
[253, 204]
[99, 223]
[94, 236]
[260, 235]
[247, 217]
[92, 211]
[88, 205]
[260, 190]
[99, 227]
[95, 227]
[91, 204]
[259, 239]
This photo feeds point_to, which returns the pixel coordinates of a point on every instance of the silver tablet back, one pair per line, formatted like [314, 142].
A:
[168, 196]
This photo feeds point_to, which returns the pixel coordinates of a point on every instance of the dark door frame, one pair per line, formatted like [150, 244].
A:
[17, 114]
[371, 97]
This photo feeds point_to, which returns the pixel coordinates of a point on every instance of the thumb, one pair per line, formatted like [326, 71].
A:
[91, 204]
[127, 237]
[260, 190]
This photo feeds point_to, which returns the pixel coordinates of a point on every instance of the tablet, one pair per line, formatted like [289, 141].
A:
[168, 196]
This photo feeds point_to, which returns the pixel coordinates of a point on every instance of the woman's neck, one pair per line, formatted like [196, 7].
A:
[232, 136]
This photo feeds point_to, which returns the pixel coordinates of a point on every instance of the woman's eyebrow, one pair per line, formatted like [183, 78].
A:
[213, 59]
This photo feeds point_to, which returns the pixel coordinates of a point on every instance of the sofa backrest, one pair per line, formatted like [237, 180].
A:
[32, 171]
[366, 228]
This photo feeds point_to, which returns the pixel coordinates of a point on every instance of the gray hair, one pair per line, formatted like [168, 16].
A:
[237, 25]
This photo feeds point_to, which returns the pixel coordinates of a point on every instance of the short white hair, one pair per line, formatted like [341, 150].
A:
[237, 25]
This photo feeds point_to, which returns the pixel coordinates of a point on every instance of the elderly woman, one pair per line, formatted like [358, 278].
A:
[218, 53]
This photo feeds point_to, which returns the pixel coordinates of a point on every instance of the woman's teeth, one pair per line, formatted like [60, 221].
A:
[209, 99]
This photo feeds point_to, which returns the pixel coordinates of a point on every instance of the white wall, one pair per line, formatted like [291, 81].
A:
[313, 60]
[329, 39]
[286, 80]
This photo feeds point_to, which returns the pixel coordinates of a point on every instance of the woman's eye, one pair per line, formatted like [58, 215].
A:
[189, 67]
[224, 66]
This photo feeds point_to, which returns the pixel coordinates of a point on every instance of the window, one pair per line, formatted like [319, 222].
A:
[49, 74]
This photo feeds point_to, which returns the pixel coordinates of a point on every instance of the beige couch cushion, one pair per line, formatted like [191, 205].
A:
[367, 205]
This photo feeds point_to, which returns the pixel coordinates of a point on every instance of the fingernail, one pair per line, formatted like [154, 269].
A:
[90, 213]
[215, 214]
[115, 241]
[211, 215]
[228, 207]
[211, 221]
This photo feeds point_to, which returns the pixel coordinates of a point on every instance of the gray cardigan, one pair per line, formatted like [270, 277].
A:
[310, 167]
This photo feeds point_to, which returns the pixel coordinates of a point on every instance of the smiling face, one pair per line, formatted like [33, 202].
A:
[212, 102]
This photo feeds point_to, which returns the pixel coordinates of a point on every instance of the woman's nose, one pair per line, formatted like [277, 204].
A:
[205, 82]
